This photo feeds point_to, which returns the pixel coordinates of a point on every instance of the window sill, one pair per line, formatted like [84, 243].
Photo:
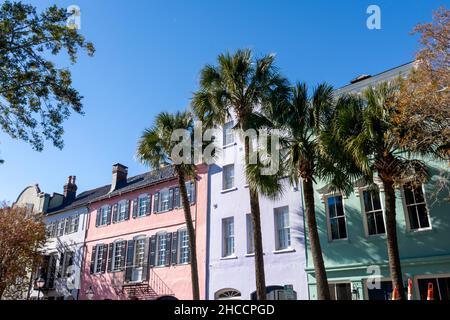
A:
[413, 232]
[287, 250]
[344, 240]
[378, 236]
[249, 254]
[246, 185]
[228, 190]
[229, 145]
[229, 258]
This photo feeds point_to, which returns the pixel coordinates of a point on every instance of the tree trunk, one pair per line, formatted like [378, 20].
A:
[323, 291]
[391, 233]
[192, 238]
[257, 236]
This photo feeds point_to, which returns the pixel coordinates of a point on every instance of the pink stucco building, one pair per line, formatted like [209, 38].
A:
[136, 240]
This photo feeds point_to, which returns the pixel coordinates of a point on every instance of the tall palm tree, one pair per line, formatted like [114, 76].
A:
[243, 87]
[312, 154]
[369, 134]
[155, 149]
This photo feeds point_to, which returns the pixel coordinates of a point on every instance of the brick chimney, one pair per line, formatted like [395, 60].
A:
[70, 190]
[119, 176]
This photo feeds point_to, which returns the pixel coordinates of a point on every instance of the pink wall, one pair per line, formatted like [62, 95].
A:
[176, 277]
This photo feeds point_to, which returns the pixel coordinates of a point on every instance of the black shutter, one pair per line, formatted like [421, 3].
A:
[149, 206]
[152, 255]
[135, 208]
[122, 254]
[170, 199]
[130, 260]
[145, 267]
[110, 256]
[104, 259]
[61, 265]
[114, 213]
[127, 210]
[176, 197]
[108, 218]
[97, 219]
[93, 256]
[174, 253]
[156, 202]
[168, 248]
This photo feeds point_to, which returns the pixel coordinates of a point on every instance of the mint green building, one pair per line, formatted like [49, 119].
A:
[353, 240]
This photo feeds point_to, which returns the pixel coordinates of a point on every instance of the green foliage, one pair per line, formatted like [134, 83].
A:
[243, 87]
[35, 95]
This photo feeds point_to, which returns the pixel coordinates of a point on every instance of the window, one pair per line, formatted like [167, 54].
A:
[100, 258]
[441, 288]
[122, 210]
[183, 239]
[228, 134]
[61, 224]
[250, 244]
[190, 189]
[228, 177]
[67, 270]
[119, 255]
[228, 237]
[416, 208]
[340, 291]
[105, 215]
[164, 202]
[283, 233]
[162, 249]
[74, 222]
[373, 211]
[336, 218]
[139, 253]
[383, 293]
[227, 294]
[144, 203]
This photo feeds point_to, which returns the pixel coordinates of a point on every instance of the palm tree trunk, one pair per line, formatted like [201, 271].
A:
[192, 239]
[323, 291]
[257, 236]
[392, 244]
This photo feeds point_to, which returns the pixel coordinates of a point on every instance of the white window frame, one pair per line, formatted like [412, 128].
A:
[98, 265]
[143, 204]
[224, 177]
[183, 248]
[104, 214]
[276, 213]
[330, 236]
[342, 282]
[61, 227]
[158, 252]
[226, 236]
[228, 132]
[405, 210]
[363, 210]
[138, 255]
[114, 257]
[426, 276]
[249, 231]
[166, 193]
[121, 205]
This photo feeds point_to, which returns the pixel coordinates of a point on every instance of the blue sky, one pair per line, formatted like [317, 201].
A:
[149, 54]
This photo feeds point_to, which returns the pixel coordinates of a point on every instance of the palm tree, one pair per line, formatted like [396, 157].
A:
[312, 154]
[369, 134]
[242, 86]
[155, 149]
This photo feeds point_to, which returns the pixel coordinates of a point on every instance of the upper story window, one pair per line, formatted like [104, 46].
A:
[250, 243]
[103, 215]
[282, 228]
[228, 134]
[417, 212]
[139, 252]
[170, 198]
[228, 177]
[98, 258]
[66, 263]
[228, 237]
[373, 212]
[337, 226]
[61, 227]
[123, 210]
[144, 205]
[118, 255]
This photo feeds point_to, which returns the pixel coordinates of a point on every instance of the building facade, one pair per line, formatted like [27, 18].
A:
[353, 238]
[136, 243]
[231, 269]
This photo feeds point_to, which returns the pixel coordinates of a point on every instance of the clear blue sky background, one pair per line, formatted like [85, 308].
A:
[149, 54]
